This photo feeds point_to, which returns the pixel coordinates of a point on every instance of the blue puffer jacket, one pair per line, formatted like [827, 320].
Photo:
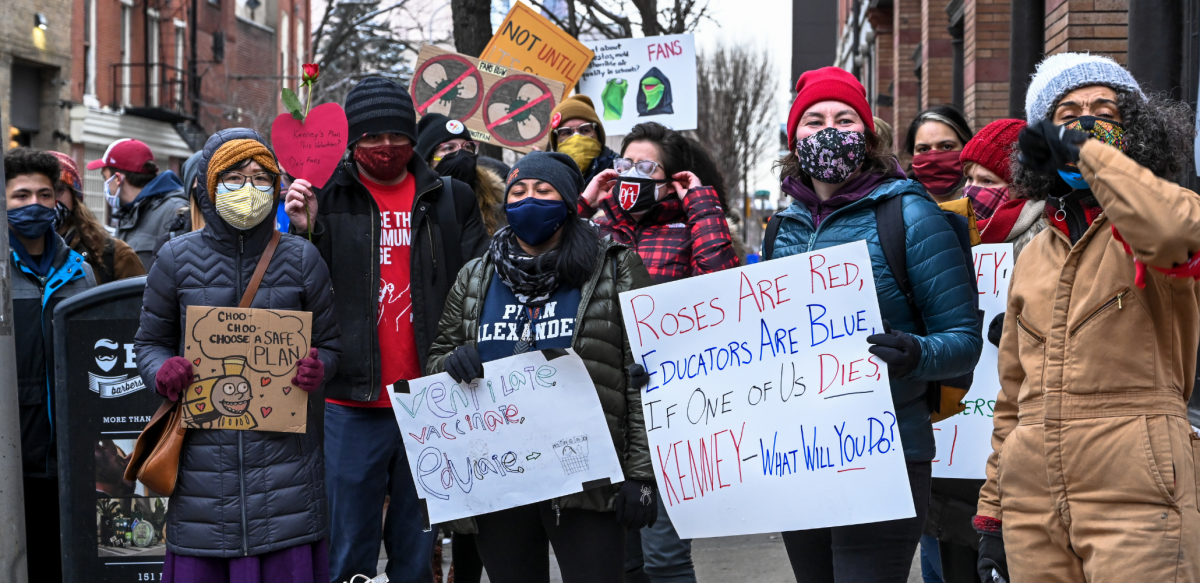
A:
[940, 281]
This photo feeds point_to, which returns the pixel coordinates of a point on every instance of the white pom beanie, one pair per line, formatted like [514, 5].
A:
[1060, 74]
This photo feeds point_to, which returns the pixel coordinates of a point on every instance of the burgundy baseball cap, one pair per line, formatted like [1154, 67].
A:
[127, 155]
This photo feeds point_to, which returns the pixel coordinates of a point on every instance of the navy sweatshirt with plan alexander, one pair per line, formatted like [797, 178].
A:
[501, 324]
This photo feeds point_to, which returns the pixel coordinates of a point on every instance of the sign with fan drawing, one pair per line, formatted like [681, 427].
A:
[509, 109]
[243, 363]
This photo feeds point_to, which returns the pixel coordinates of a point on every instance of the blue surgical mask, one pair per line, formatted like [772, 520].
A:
[535, 220]
[31, 221]
[113, 200]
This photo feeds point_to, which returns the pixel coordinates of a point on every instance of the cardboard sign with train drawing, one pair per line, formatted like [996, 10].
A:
[497, 106]
[243, 363]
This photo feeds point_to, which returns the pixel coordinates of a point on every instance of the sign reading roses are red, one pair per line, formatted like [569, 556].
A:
[311, 149]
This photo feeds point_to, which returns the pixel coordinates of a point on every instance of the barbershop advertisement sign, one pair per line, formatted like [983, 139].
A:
[765, 411]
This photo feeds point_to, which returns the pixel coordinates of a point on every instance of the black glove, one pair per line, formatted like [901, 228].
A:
[996, 328]
[638, 376]
[635, 504]
[899, 350]
[464, 364]
[1046, 147]
[991, 556]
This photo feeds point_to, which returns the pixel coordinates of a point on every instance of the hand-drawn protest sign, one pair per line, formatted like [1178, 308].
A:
[765, 411]
[498, 106]
[530, 430]
[243, 362]
[643, 79]
[528, 42]
[311, 149]
[964, 441]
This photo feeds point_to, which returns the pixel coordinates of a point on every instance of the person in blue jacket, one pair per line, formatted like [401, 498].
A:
[837, 171]
[44, 271]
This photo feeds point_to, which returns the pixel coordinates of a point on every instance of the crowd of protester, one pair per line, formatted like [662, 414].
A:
[1089, 479]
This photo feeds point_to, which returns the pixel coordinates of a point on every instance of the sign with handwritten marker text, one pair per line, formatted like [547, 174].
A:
[311, 149]
[964, 441]
[765, 411]
[530, 430]
[633, 80]
[529, 42]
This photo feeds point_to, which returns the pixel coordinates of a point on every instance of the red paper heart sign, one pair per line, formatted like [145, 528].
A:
[311, 150]
[266, 411]
[287, 390]
[265, 381]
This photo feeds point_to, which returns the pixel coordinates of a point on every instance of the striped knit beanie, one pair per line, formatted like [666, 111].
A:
[1060, 74]
[235, 151]
[378, 106]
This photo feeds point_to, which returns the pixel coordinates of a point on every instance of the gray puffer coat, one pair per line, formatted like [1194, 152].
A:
[241, 493]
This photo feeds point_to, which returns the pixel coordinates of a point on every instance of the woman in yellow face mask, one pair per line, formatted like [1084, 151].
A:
[575, 130]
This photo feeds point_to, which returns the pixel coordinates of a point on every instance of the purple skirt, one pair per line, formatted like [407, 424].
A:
[302, 564]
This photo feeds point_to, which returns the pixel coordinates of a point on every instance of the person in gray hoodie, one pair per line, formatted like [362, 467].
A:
[143, 200]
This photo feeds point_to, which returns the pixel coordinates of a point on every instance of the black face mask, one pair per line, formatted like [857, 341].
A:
[459, 166]
[636, 192]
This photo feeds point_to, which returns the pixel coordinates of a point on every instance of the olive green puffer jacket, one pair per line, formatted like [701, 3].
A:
[599, 340]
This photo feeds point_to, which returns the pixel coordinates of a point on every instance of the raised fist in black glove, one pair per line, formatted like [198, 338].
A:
[991, 556]
[1045, 147]
[638, 377]
[899, 350]
[464, 364]
[996, 329]
[636, 504]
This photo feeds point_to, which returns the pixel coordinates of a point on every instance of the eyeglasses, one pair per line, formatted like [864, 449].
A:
[235, 180]
[646, 167]
[583, 129]
[448, 148]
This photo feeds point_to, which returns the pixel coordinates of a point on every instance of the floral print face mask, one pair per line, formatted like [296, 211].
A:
[831, 155]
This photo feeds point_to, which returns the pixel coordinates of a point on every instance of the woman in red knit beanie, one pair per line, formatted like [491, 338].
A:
[987, 163]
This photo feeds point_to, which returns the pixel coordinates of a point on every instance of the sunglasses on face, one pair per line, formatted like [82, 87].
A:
[646, 167]
[583, 129]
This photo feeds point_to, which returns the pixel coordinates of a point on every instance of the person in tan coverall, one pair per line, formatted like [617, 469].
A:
[1093, 476]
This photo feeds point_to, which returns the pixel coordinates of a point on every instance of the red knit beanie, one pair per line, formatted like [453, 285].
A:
[992, 146]
[828, 84]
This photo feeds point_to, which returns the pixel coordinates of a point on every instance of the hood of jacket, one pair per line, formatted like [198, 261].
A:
[664, 104]
[167, 183]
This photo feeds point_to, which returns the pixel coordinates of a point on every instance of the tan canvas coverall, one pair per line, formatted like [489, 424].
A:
[1094, 465]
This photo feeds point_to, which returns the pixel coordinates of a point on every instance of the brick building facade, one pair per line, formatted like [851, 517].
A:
[911, 54]
[167, 72]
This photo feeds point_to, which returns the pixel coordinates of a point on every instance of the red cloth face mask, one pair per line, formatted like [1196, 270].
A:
[384, 162]
[938, 172]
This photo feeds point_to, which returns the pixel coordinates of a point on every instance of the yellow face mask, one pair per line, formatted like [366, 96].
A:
[245, 207]
[581, 149]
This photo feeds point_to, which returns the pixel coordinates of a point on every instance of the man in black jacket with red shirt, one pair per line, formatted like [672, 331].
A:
[394, 235]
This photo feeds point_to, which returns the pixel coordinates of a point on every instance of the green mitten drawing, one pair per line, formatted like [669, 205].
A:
[613, 98]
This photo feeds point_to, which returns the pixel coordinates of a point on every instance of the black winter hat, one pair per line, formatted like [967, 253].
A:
[556, 168]
[379, 106]
[435, 129]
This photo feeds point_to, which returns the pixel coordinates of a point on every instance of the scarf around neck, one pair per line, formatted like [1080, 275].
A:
[532, 279]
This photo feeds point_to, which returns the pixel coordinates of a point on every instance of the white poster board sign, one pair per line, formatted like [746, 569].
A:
[964, 441]
[530, 430]
[632, 80]
[765, 411]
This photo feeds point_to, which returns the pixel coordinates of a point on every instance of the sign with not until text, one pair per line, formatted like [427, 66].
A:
[528, 42]
[765, 411]
[531, 429]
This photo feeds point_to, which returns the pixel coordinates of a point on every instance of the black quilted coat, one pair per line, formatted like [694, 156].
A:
[599, 340]
[241, 493]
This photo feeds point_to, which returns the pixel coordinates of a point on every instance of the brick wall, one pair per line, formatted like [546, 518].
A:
[985, 60]
[907, 36]
[1097, 26]
[937, 54]
[884, 67]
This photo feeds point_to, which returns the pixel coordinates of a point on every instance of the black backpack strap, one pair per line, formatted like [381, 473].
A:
[769, 237]
[889, 218]
[109, 259]
[451, 231]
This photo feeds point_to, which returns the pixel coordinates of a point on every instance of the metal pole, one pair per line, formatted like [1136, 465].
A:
[12, 491]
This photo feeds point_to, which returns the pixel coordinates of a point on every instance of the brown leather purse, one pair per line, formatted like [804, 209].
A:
[155, 458]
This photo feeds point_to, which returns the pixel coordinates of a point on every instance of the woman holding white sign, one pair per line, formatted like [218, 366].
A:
[547, 282]
[842, 180]
[247, 506]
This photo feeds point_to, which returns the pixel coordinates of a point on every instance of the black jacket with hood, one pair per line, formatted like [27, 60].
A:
[241, 493]
[140, 222]
[347, 233]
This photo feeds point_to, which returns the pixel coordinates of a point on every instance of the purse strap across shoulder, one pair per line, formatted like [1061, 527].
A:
[259, 271]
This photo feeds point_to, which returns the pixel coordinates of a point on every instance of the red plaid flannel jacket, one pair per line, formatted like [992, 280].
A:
[676, 238]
